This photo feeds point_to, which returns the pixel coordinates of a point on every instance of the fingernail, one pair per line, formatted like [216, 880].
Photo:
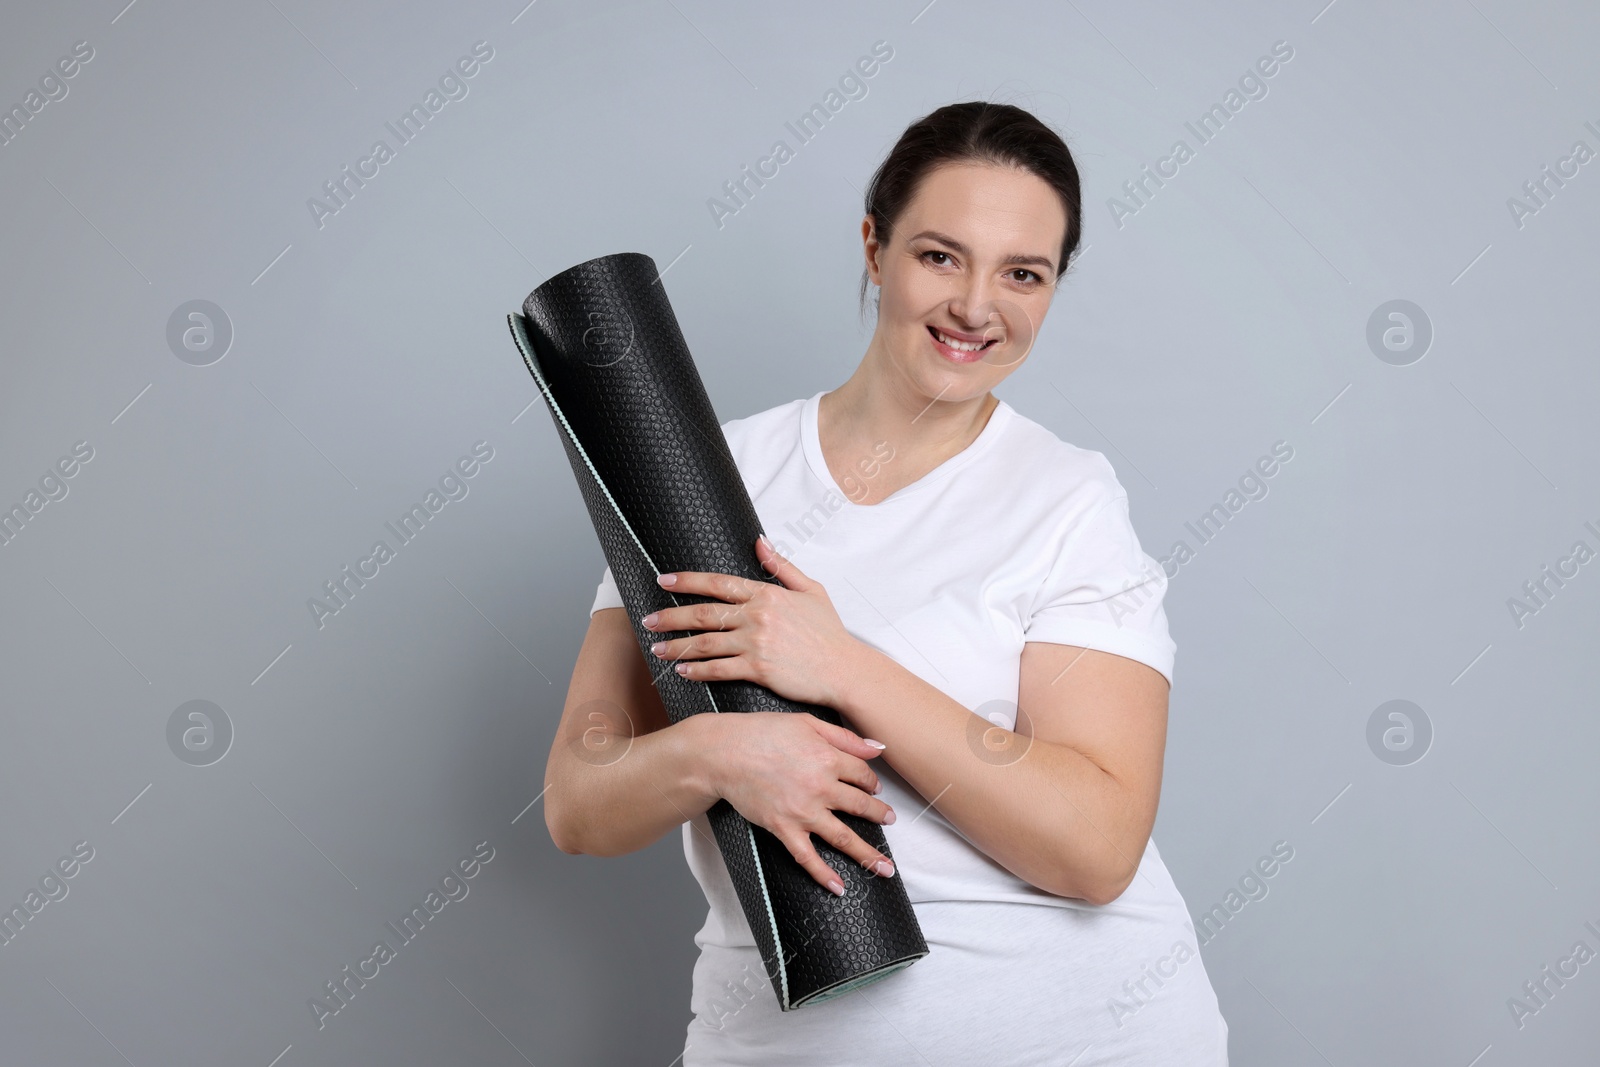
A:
[884, 868]
[837, 887]
[657, 647]
[649, 620]
[877, 788]
[874, 744]
[667, 579]
[764, 541]
[888, 820]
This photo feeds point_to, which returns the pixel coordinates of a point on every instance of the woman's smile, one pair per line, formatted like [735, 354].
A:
[961, 347]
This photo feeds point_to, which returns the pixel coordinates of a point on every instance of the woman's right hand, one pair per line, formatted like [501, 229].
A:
[789, 772]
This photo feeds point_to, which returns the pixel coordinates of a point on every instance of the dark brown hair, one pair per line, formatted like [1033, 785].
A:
[973, 132]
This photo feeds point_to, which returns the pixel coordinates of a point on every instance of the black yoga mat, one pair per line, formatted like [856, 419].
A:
[662, 490]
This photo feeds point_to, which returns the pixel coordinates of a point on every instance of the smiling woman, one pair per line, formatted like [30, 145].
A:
[969, 610]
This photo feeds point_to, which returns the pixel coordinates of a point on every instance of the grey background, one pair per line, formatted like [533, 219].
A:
[1229, 313]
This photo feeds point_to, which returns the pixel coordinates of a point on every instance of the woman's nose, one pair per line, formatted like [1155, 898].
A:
[976, 309]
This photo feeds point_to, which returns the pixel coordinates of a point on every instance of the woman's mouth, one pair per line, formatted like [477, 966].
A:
[959, 349]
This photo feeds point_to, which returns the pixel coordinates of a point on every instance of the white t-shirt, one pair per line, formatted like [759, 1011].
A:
[1019, 537]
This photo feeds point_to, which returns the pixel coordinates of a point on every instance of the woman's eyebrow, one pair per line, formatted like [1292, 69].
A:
[1014, 258]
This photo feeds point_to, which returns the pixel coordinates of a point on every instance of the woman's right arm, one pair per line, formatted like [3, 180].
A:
[621, 774]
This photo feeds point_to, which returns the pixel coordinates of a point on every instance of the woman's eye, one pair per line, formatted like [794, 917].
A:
[944, 255]
[1028, 275]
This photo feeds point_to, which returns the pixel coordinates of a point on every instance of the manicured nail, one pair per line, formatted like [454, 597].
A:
[874, 744]
[836, 886]
[681, 668]
[883, 868]
[667, 579]
[649, 620]
[765, 543]
[888, 819]
[657, 647]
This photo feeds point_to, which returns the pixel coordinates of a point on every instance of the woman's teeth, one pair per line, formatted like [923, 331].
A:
[961, 346]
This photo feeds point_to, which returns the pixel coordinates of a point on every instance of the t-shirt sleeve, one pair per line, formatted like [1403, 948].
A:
[1103, 592]
[606, 595]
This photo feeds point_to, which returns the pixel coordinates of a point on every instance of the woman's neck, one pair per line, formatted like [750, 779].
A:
[923, 431]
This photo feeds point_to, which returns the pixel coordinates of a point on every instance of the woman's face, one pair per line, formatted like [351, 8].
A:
[966, 276]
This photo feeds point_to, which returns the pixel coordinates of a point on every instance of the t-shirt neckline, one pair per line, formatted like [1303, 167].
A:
[811, 444]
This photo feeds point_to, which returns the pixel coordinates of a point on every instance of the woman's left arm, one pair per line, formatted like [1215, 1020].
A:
[1065, 802]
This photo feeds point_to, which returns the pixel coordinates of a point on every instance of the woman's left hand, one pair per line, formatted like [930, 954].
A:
[787, 638]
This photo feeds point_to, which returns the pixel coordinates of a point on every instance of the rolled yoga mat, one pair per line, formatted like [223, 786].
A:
[662, 490]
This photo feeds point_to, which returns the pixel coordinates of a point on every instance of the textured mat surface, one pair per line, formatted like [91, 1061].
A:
[661, 487]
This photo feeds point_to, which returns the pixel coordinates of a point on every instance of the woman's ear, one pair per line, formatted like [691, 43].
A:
[871, 248]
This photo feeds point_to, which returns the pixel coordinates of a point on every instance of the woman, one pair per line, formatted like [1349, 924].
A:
[967, 590]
